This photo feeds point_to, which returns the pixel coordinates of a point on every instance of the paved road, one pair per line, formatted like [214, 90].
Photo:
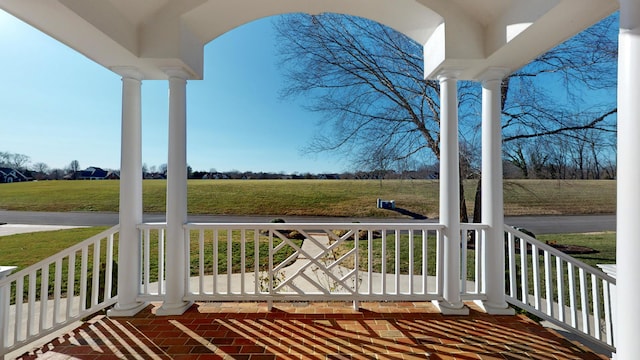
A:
[536, 224]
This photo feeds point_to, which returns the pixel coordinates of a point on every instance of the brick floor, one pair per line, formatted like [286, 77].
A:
[312, 331]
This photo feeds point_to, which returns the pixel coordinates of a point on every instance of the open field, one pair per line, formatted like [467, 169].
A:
[353, 198]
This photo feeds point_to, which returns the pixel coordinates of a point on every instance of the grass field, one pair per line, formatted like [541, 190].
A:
[356, 198]
[297, 197]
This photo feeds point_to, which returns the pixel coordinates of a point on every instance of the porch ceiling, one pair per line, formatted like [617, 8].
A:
[152, 35]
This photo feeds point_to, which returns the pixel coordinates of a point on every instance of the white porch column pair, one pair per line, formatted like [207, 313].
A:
[131, 196]
[627, 322]
[492, 198]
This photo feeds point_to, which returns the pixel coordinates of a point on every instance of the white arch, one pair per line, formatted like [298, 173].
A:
[153, 35]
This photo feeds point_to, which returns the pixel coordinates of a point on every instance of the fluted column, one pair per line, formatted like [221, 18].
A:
[493, 284]
[176, 265]
[450, 195]
[130, 195]
[627, 323]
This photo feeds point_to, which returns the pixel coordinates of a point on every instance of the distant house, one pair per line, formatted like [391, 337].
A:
[329, 176]
[154, 176]
[9, 175]
[215, 175]
[96, 173]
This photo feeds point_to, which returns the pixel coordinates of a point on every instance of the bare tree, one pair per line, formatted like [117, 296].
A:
[5, 157]
[74, 167]
[366, 79]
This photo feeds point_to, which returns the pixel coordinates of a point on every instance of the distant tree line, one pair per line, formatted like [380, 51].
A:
[534, 160]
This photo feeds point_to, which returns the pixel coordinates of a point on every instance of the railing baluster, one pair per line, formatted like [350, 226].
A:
[229, 260]
[524, 271]
[584, 301]
[384, 262]
[256, 261]
[95, 286]
[535, 263]
[425, 262]
[83, 278]
[108, 277]
[548, 276]
[71, 280]
[5, 300]
[215, 261]
[463, 261]
[356, 268]
[595, 294]
[146, 268]
[44, 297]
[161, 261]
[560, 287]
[513, 278]
[270, 270]
[187, 260]
[243, 255]
[201, 261]
[606, 290]
[32, 303]
[479, 238]
[440, 263]
[411, 262]
[397, 262]
[57, 289]
[572, 295]
[370, 263]
[19, 301]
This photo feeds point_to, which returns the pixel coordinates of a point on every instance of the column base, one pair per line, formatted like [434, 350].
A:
[492, 309]
[446, 308]
[126, 310]
[173, 309]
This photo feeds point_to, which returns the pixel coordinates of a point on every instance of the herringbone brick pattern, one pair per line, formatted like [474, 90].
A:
[312, 331]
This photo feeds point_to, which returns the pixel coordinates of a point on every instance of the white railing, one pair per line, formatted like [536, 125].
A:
[271, 261]
[471, 261]
[558, 288]
[310, 262]
[57, 291]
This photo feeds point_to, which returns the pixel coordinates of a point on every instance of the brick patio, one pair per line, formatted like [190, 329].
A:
[312, 331]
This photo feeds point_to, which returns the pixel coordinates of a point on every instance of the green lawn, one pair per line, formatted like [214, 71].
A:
[297, 197]
[348, 198]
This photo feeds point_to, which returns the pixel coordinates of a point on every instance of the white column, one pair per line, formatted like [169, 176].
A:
[176, 265]
[450, 195]
[627, 324]
[130, 195]
[493, 284]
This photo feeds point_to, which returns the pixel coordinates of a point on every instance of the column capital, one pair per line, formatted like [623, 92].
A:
[128, 72]
[493, 74]
[176, 72]
[449, 74]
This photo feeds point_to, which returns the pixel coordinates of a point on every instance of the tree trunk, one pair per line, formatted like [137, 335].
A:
[477, 206]
[464, 217]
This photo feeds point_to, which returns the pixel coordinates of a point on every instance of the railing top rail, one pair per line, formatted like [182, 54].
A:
[473, 226]
[60, 255]
[151, 225]
[293, 226]
[560, 254]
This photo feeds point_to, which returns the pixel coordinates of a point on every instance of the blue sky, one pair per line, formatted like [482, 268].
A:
[57, 106]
